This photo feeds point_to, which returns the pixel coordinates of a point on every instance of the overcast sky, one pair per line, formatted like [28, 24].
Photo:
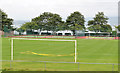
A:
[27, 9]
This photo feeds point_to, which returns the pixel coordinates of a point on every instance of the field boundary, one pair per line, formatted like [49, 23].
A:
[65, 37]
[55, 62]
[45, 66]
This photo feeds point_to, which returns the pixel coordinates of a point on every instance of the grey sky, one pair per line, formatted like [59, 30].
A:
[27, 9]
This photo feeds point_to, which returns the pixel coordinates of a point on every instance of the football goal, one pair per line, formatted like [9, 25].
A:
[46, 40]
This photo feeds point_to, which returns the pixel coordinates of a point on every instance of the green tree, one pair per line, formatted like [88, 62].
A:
[100, 19]
[99, 23]
[94, 28]
[62, 26]
[106, 28]
[28, 26]
[20, 30]
[39, 22]
[5, 22]
[118, 27]
[75, 21]
[48, 21]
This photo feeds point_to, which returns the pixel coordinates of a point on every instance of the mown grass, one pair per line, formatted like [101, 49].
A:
[88, 51]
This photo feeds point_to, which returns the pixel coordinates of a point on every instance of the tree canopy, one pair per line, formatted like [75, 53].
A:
[75, 21]
[48, 21]
[30, 26]
[5, 22]
[118, 27]
[99, 23]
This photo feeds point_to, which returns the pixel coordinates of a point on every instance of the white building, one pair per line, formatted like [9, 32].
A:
[64, 32]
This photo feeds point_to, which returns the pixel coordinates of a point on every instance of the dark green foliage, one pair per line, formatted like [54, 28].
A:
[53, 22]
[75, 21]
[99, 23]
[5, 21]
[29, 26]
[100, 19]
[106, 28]
[118, 27]
[94, 28]
[114, 33]
[48, 21]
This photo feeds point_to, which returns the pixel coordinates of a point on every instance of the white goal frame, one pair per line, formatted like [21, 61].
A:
[12, 45]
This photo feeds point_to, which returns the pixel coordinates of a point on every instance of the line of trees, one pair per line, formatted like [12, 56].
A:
[53, 22]
[76, 21]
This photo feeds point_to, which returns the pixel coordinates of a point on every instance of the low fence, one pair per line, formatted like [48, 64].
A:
[66, 37]
[45, 63]
[109, 38]
[39, 36]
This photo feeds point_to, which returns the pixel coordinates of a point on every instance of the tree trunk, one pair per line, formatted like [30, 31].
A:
[54, 32]
[40, 32]
[47, 32]
[73, 32]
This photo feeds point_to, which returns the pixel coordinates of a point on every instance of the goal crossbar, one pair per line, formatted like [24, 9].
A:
[12, 45]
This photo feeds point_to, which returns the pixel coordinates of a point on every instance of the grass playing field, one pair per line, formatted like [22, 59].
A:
[88, 51]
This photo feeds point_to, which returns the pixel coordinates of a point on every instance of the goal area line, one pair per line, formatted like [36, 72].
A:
[12, 45]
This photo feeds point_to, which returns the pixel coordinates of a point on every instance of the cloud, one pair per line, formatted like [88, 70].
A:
[27, 9]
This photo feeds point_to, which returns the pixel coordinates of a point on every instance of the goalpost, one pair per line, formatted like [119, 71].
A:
[12, 45]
